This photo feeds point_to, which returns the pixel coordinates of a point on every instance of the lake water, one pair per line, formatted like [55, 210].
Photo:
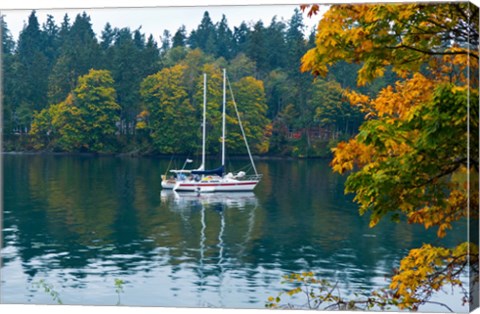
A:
[78, 224]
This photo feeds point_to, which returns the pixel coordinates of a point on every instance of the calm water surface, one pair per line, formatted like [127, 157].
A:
[79, 223]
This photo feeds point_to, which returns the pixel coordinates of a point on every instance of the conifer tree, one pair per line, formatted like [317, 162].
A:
[204, 36]
[179, 39]
[256, 48]
[224, 40]
[8, 100]
[80, 52]
[31, 63]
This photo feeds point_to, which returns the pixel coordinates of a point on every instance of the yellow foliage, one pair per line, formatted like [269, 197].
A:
[370, 32]
[456, 208]
[430, 268]
[407, 125]
[400, 101]
[348, 154]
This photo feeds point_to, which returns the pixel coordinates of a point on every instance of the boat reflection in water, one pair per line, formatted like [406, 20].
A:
[187, 201]
[222, 209]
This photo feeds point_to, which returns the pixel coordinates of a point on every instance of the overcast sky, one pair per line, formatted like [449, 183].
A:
[154, 19]
[154, 16]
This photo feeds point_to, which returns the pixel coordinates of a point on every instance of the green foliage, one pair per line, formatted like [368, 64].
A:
[405, 36]
[55, 295]
[205, 36]
[433, 145]
[169, 115]
[330, 108]
[49, 289]
[79, 52]
[250, 98]
[85, 121]
[168, 109]
[411, 157]
[119, 288]
[30, 63]
[180, 37]
[240, 67]
[320, 294]
[61, 54]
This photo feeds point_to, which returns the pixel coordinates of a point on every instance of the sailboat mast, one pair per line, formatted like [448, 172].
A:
[204, 124]
[241, 128]
[223, 116]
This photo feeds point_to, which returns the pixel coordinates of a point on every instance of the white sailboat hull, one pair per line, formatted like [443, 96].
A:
[222, 186]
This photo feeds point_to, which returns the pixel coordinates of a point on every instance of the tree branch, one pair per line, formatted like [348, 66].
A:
[450, 169]
[434, 53]
[439, 303]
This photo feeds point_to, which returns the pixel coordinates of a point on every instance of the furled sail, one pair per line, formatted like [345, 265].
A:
[218, 171]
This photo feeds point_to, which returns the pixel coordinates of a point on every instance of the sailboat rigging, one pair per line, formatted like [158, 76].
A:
[214, 180]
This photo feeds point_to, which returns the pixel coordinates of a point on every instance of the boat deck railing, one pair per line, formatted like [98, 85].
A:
[251, 177]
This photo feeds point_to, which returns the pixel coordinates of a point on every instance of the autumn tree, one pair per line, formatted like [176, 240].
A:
[249, 96]
[85, 121]
[410, 160]
[167, 115]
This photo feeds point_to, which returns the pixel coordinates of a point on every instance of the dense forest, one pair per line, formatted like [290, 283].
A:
[67, 89]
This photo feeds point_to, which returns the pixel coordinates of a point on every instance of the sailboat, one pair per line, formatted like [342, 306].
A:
[202, 180]
[168, 183]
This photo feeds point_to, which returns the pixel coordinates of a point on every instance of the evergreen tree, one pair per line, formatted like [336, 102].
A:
[256, 48]
[131, 60]
[139, 38]
[224, 40]
[150, 58]
[301, 82]
[8, 101]
[241, 35]
[107, 37]
[80, 52]
[64, 29]
[166, 42]
[276, 45]
[180, 37]
[204, 36]
[296, 43]
[31, 65]
[126, 73]
[8, 44]
[84, 41]
[51, 40]
[279, 92]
